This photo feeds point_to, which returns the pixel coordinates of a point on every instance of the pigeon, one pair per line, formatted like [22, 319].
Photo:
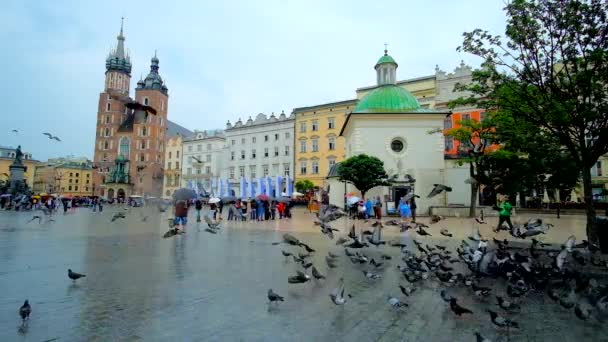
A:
[437, 189]
[351, 233]
[434, 219]
[570, 243]
[52, 137]
[36, 217]
[74, 275]
[445, 296]
[118, 216]
[505, 304]
[445, 232]
[196, 159]
[406, 290]
[502, 322]
[285, 254]
[299, 278]
[457, 309]
[332, 255]
[306, 265]
[396, 303]
[330, 262]
[561, 259]
[480, 338]
[316, 274]
[348, 253]
[171, 233]
[273, 297]
[386, 257]
[25, 310]
[581, 311]
[480, 220]
[337, 294]
[371, 275]
[341, 240]
[480, 291]
[423, 232]
[327, 230]
[15, 131]
[375, 263]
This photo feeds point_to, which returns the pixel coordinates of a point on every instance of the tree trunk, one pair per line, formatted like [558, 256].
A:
[589, 208]
[474, 189]
[362, 195]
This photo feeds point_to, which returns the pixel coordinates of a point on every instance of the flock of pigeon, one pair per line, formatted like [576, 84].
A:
[475, 264]
[48, 135]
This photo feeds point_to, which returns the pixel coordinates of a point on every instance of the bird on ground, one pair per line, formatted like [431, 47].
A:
[337, 294]
[299, 278]
[502, 322]
[423, 232]
[406, 290]
[506, 305]
[285, 254]
[52, 137]
[306, 265]
[25, 310]
[274, 297]
[434, 219]
[328, 230]
[583, 312]
[386, 257]
[480, 220]
[118, 216]
[36, 217]
[395, 303]
[316, 274]
[331, 263]
[371, 275]
[74, 276]
[445, 232]
[348, 253]
[332, 255]
[437, 189]
[480, 290]
[341, 240]
[560, 259]
[457, 309]
[480, 338]
[375, 263]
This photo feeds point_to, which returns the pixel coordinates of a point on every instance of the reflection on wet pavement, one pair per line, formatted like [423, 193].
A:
[200, 286]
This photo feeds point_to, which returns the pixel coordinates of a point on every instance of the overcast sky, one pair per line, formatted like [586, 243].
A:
[221, 59]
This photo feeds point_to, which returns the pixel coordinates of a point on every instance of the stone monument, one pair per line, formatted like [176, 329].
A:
[17, 182]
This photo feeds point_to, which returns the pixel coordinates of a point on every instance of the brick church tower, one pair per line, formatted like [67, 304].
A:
[130, 135]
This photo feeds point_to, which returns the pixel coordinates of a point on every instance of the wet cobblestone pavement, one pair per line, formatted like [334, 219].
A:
[204, 287]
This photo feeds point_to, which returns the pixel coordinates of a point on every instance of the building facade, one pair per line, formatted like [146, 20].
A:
[65, 177]
[203, 158]
[7, 156]
[130, 134]
[173, 165]
[259, 148]
[318, 145]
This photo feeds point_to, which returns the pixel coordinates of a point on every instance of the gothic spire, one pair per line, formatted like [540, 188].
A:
[117, 59]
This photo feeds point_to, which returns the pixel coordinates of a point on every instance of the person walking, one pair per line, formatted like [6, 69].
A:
[369, 207]
[181, 215]
[378, 208]
[504, 215]
[198, 205]
[413, 207]
[404, 211]
[254, 210]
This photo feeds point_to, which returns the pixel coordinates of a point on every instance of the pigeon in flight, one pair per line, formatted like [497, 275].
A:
[15, 131]
[25, 310]
[337, 294]
[118, 216]
[196, 159]
[437, 189]
[52, 137]
[274, 298]
[73, 275]
[36, 217]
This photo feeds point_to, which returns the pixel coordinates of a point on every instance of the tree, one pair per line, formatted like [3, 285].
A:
[475, 140]
[364, 172]
[304, 185]
[551, 71]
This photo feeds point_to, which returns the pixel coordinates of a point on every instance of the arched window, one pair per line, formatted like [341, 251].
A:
[123, 147]
[144, 131]
[106, 145]
[146, 101]
[106, 132]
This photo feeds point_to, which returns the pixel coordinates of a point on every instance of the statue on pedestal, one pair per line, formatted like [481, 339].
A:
[18, 156]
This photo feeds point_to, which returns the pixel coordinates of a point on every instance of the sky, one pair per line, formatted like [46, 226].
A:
[221, 60]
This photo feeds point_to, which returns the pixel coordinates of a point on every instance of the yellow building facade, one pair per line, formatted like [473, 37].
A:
[68, 179]
[5, 172]
[173, 165]
[318, 145]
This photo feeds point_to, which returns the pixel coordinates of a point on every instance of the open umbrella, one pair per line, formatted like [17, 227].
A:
[184, 194]
[214, 200]
[263, 197]
[297, 194]
[353, 199]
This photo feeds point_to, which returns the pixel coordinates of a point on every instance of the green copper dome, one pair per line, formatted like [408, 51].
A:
[386, 59]
[388, 99]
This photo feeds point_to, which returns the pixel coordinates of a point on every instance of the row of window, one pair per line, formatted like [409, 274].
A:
[447, 122]
[199, 148]
[314, 125]
[331, 144]
[172, 180]
[267, 154]
[176, 154]
[86, 188]
[176, 165]
[198, 170]
[253, 171]
[266, 139]
[314, 166]
[78, 174]
[76, 181]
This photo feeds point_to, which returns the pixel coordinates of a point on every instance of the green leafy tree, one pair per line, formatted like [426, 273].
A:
[304, 185]
[364, 172]
[550, 70]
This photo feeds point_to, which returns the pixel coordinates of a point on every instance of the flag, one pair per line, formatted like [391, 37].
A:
[243, 187]
[278, 188]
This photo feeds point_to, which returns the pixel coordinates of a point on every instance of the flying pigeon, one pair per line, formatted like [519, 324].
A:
[337, 294]
[118, 216]
[457, 309]
[25, 310]
[39, 218]
[437, 189]
[196, 159]
[74, 275]
[52, 137]
[15, 131]
[273, 297]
